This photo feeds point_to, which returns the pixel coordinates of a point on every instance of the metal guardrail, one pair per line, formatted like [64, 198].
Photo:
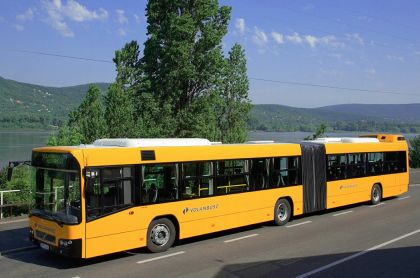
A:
[2, 200]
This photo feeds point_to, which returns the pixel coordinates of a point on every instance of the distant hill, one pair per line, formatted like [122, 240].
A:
[34, 106]
[24, 105]
[349, 117]
[400, 112]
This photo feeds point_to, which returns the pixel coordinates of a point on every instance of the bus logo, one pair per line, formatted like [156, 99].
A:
[200, 209]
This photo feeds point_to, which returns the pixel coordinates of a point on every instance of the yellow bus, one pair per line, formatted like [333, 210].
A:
[121, 194]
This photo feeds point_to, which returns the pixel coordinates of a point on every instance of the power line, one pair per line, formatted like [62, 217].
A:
[252, 78]
[56, 55]
[333, 87]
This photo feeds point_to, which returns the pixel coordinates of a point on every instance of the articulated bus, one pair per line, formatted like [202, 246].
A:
[121, 194]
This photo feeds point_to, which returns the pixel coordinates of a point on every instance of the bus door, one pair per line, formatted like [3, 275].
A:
[314, 176]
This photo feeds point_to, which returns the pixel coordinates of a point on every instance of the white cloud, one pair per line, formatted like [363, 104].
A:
[349, 63]
[295, 38]
[19, 27]
[121, 18]
[259, 37]
[27, 15]
[137, 18]
[59, 12]
[356, 38]
[331, 40]
[278, 38]
[311, 40]
[395, 58]
[240, 25]
[80, 13]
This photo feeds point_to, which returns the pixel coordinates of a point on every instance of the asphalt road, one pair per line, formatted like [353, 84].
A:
[356, 241]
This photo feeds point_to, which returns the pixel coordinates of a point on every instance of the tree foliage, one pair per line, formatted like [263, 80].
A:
[318, 133]
[86, 123]
[415, 152]
[119, 112]
[182, 85]
[235, 105]
[183, 62]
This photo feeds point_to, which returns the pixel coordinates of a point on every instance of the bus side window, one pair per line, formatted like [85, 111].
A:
[159, 183]
[109, 190]
[232, 176]
[196, 180]
[258, 174]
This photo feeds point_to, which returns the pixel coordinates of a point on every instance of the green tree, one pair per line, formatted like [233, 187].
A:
[66, 136]
[22, 179]
[119, 112]
[183, 62]
[88, 118]
[235, 105]
[415, 152]
[128, 65]
[3, 177]
[86, 123]
[318, 132]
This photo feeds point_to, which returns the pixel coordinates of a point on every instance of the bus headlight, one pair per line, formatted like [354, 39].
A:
[65, 242]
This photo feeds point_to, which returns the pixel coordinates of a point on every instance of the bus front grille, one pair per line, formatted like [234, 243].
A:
[45, 237]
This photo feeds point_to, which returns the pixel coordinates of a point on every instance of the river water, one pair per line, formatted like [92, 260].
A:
[17, 145]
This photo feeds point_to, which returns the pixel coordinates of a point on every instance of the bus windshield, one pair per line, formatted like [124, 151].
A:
[57, 194]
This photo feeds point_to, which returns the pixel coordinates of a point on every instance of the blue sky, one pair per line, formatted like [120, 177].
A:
[373, 45]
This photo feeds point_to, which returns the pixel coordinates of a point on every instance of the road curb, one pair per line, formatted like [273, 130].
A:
[17, 250]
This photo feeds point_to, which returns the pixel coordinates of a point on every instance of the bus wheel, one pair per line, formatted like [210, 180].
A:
[160, 235]
[282, 212]
[376, 194]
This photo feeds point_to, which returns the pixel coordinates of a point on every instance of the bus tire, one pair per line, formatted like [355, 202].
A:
[282, 212]
[376, 194]
[161, 235]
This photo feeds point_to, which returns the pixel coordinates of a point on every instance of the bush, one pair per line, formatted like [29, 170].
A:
[22, 180]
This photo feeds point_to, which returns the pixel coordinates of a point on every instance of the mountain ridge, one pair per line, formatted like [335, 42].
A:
[35, 106]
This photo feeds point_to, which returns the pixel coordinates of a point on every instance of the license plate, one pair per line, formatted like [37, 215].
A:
[44, 246]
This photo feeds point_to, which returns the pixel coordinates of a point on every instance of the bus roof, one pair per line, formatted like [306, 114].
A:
[130, 151]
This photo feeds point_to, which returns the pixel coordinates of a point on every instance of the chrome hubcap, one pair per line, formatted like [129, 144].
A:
[375, 194]
[160, 234]
[282, 212]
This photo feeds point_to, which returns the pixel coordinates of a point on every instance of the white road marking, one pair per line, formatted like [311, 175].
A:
[298, 224]
[341, 213]
[239, 238]
[325, 267]
[402, 198]
[13, 221]
[161, 257]
[380, 204]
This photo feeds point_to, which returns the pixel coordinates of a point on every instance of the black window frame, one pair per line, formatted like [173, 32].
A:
[374, 164]
[104, 211]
